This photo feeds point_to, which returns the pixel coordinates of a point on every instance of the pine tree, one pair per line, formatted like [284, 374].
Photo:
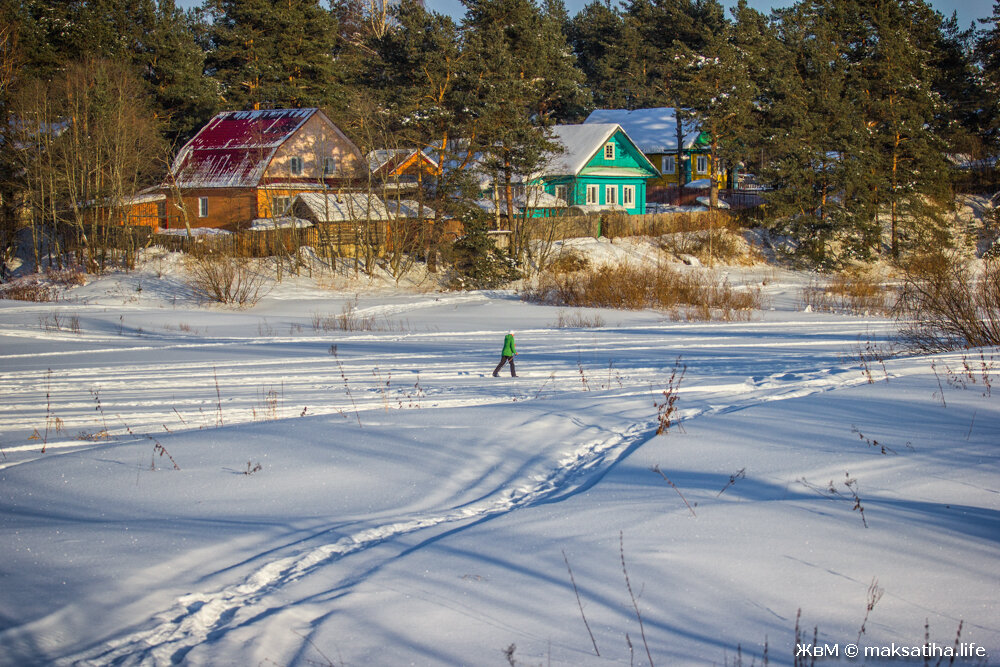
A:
[183, 97]
[720, 86]
[524, 77]
[901, 106]
[667, 34]
[600, 41]
[966, 109]
[272, 54]
[817, 140]
[417, 76]
[988, 56]
[853, 151]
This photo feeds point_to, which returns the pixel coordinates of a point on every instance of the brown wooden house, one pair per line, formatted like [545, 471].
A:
[245, 165]
[401, 169]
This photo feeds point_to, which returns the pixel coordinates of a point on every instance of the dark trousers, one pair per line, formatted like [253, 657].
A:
[504, 360]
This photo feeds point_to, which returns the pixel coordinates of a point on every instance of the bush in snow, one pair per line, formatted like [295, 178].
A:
[945, 303]
[225, 279]
[691, 295]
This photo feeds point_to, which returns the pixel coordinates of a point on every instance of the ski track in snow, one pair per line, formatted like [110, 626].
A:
[200, 616]
[196, 617]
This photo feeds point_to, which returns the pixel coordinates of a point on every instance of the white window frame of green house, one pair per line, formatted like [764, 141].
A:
[594, 194]
[610, 194]
[702, 165]
[202, 207]
[560, 192]
[668, 164]
[609, 150]
[628, 196]
[295, 165]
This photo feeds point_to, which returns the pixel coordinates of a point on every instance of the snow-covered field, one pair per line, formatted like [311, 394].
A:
[189, 484]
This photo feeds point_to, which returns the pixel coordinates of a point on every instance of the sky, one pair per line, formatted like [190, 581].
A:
[968, 10]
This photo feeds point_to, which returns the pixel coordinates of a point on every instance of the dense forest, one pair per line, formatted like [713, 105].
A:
[849, 110]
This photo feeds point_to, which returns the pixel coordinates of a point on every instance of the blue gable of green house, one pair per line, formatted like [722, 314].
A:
[600, 168]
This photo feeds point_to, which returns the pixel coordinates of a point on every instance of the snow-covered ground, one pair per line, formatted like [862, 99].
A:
[189, 484]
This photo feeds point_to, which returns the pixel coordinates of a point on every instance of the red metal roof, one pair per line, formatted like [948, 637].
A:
[235, 147]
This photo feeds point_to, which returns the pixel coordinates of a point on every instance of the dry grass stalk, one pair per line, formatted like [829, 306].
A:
[874, 595]
[740, 474]
[162, 451]
[347, 386]
[269, 398]
[691, 295]
[218, 396]
[973, 372]
[635, 605]
[666, 411]
[578, 320]
[576, 591]
[673, 486]
[870, 352]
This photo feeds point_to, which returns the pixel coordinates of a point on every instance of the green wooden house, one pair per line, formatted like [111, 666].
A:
[657, 133]
[600, 168]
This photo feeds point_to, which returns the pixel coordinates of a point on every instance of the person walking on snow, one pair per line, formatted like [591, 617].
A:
[509, 351]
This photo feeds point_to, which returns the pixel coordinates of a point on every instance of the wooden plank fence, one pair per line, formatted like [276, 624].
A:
[349, 239]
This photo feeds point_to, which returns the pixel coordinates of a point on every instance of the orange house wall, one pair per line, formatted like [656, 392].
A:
[228, 208]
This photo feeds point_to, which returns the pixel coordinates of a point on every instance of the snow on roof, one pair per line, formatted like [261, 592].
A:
[378, 159]
[142, 198]
[581, 142]
[343, 207]
[699, 184]
[195, 231]
[235, 147]
[408, 208]
[283, 222]
[537, 198]
[652, 130]
[706, 201]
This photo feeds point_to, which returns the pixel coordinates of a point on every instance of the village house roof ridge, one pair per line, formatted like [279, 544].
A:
[653, 130]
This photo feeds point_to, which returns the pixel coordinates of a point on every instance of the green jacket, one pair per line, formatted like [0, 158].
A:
[508, 346]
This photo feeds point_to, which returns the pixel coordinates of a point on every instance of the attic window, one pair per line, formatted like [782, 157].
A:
[329, 166]
[295, 165]
[609, 151]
